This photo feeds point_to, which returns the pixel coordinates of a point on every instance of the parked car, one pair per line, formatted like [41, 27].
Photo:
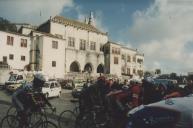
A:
[66, 84]
[14, 79]
[76, 92]
[52, 89]
[79, 82]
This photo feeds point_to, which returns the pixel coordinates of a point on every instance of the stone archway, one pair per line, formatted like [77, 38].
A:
[74, 67]
[88, 68]
[100, 68]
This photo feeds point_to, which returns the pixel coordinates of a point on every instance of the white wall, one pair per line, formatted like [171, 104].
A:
[131, 65]
[26, 31]
[95, 57]
[83, 57]
[49, 54]
[115, 68]
[16, 50]
[77, 33]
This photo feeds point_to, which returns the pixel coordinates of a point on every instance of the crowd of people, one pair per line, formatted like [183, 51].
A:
[118, 98]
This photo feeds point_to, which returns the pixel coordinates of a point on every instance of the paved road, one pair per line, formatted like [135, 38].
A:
[62, 103]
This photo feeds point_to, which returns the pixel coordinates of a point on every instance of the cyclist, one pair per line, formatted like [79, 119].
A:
[23, 98]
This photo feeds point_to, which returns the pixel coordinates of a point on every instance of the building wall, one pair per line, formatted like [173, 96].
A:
[41, 54]
[95, 57]
[83, 58]
[49, 54]
[115, 68]
[140, 65]
[77, 33]
[133, 65]
[128, 64]
[14, 49]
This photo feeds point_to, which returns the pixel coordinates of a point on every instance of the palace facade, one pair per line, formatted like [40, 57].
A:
[61, 47]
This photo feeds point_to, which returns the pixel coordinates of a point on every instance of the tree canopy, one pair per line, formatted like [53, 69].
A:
[6, 25]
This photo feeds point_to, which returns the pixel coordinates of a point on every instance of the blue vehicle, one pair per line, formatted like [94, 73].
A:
[171, 113]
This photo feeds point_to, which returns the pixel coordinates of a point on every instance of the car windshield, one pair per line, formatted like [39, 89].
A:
[13, 77]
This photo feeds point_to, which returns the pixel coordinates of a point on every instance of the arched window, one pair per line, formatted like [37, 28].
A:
[74, 67]
[100, 68]
[88, 68]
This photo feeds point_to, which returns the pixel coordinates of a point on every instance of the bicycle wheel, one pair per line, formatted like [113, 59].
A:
[12, 111]
[37, 117]
[46, 124]
[66, 119]
[10, 121]
[84, 121]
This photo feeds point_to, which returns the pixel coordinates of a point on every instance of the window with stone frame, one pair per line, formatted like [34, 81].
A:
[92, 45]
[128, 58]
[134, 71]
[82, 44]
[116, 60]
[11, 56]
[4, 59]
[10, 40]
[53, 63]
[128, 71]
[113, 50]
[71, 41]
[22, 58]
[134, 58]
[123, 57]
[24, 43]
[116, 50]
[55, 44]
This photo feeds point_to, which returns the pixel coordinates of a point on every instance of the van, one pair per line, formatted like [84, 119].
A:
[52, 89]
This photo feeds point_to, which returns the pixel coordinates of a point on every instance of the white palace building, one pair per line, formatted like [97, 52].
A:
[61, 46]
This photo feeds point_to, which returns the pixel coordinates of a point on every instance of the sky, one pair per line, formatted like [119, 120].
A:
[161, 29]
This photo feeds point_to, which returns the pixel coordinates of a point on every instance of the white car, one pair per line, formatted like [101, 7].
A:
[52, 89]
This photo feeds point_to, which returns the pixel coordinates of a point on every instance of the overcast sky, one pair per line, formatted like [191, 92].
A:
[161, 29]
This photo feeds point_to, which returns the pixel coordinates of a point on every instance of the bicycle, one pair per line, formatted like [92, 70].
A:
[94, 118]
[34, 119]
[67, 117]
[11, 111]
[11, 121]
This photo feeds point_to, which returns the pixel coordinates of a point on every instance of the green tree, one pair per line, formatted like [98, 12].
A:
[147, 73]
[158, 71]
[6, 25]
